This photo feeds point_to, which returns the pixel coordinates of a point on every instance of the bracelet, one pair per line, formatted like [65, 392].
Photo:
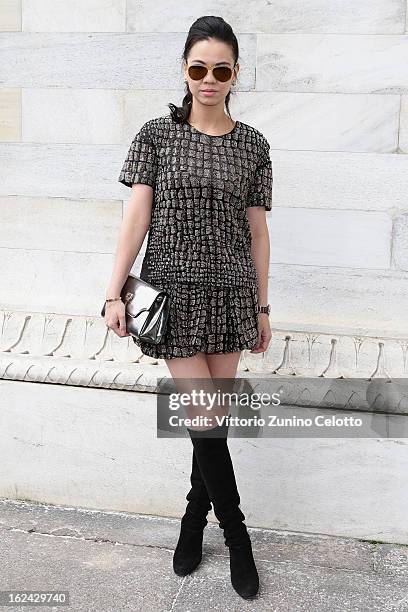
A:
[113, 300]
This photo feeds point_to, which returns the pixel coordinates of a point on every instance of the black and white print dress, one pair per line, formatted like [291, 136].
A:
[199, 241]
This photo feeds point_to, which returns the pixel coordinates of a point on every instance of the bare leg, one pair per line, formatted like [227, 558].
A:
[217, 473]
[188, 553]
[193, 373]
[223, 365]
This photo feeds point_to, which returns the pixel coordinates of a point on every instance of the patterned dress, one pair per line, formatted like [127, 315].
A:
[199, 242]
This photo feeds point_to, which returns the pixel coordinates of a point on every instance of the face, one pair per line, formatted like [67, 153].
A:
[210, 52]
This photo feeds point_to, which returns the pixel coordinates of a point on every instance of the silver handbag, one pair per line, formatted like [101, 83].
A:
[147, 309]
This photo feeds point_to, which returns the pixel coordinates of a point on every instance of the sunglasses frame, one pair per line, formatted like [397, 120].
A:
[210, 67]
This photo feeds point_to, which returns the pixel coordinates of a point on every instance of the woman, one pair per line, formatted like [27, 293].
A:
[201, 184]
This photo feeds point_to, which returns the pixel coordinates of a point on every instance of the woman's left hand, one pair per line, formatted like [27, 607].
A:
[264, 333]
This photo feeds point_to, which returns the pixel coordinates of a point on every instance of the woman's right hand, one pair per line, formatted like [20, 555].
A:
[115, 317]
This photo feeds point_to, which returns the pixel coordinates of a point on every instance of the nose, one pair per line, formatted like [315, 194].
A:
[210, 79]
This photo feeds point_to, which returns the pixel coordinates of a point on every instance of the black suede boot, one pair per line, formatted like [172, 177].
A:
[188, 553]
[217, 471]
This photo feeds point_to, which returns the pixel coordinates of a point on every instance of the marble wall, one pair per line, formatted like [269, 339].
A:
[327, 84]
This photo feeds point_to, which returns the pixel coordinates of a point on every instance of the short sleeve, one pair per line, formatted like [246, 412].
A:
[140, 165]
[260, 190]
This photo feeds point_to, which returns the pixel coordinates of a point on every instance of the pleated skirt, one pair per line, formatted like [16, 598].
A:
[206, 318]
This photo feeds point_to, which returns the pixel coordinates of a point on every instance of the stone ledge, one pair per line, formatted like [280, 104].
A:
[357, 394]
[80, 351]
[297, 352]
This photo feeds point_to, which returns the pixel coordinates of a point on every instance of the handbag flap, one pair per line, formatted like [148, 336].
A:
[140, 296]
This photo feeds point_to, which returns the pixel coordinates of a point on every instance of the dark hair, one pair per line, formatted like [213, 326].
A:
[202, 29]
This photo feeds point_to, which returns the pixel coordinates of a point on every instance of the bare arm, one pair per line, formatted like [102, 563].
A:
[134, 227]
[260, 249]
[135, 224]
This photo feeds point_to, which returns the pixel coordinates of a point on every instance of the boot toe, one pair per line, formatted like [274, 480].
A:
[185, 565]
[244, 575]
[188, 553]
[248, 590]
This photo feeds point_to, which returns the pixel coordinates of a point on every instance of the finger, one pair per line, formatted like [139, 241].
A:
[122, 325]
[261, 346]
[258, 345]
[263, 343]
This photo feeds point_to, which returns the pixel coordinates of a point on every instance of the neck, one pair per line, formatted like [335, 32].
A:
[209, 118]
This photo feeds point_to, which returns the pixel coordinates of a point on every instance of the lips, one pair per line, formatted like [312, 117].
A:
[212, 90]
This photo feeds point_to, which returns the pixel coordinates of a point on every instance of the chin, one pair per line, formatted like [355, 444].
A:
[210, 101]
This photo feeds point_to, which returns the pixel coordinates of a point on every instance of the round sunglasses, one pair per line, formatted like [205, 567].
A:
[221, 73]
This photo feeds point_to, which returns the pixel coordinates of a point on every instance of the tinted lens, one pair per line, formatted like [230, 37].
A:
[222, 73]
[197, 72]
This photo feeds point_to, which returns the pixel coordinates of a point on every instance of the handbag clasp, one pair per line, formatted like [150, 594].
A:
[128, 296]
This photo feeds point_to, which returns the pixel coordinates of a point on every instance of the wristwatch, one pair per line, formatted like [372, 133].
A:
[265, 309]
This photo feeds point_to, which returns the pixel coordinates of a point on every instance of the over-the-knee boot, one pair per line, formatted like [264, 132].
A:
[216, 468]
[188, 553]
